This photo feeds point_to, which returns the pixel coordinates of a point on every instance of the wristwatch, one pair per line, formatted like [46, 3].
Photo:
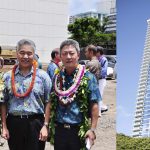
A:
[46, 124]
[93, 129]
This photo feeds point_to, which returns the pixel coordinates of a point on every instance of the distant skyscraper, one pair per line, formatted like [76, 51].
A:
[112, 19]
[141, 126]
[108, 7]
[92, 14]
[104, 6]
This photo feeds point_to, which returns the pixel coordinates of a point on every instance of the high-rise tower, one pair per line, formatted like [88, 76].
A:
[141, 126]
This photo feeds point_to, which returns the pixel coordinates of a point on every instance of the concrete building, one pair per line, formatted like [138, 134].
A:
[92, 14]
[108, 7]
[141, 127]
[112, 23]
[43, 21]
[104, 6]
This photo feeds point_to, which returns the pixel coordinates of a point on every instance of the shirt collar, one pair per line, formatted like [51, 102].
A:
[52, 61]
[19, 72]
[65, 73]
[100, 57]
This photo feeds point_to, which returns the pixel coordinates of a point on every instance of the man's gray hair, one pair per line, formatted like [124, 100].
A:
[26, 42]
[70, 42]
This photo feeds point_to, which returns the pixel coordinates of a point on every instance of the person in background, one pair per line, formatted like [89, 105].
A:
[25, 108]
[1, 75]
[1, 62]
[75, 94]
[93, 65]
[103, 74]
[1, 93]
[54, 63]
[81, 62]
[36, 56]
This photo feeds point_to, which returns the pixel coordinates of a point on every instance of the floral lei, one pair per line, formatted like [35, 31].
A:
[31, 85]
[67, 96]
[82, 100]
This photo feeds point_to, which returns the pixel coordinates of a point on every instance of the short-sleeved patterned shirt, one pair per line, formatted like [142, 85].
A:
[1, 86]
[35, 101]
[104, 64]
[94, 67]
[51, 69]
[71, 113]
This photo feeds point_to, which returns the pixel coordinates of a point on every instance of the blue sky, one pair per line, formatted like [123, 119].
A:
[79, 6]
[132, 18]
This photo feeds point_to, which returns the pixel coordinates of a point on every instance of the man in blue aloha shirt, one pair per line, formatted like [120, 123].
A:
[54, 63]
[70, 89]
[26, 95]
[103, 74]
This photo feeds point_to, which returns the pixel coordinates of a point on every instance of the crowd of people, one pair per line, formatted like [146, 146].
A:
[65, 102]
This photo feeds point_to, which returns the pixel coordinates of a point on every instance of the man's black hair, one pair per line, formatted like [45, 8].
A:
[100, 50]
[53, 54]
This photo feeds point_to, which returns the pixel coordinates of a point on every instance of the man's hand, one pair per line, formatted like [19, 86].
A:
[91, 135]
[5, 133]
[43, 133]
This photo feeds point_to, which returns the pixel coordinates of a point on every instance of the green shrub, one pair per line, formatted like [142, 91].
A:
[129, 143]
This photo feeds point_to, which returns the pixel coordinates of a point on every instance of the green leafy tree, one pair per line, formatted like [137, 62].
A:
[129, 143]
[90, 31]
[84, 29]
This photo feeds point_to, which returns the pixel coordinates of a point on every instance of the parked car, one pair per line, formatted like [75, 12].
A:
[83, 62]
[111, 61]
[9, 61]
[115, 72]
[111, 71]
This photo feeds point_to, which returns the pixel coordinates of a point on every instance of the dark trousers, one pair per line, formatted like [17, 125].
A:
[24, 133]
[66, 139]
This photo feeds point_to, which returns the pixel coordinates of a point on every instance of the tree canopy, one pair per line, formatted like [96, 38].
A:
[129, 143]
[90, 31]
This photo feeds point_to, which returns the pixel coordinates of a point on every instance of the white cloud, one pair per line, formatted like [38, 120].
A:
[79, 6]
